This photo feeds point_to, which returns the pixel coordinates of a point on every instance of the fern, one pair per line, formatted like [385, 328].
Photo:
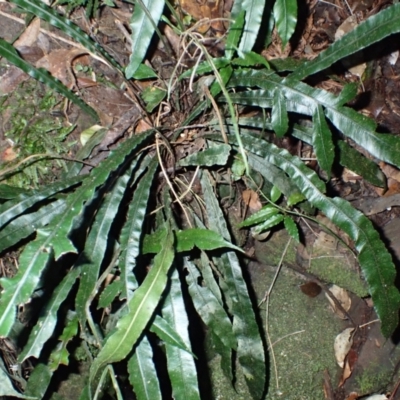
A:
[116, 240]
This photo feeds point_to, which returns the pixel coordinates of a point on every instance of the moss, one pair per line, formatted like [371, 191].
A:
[301, 328]
[334, 270]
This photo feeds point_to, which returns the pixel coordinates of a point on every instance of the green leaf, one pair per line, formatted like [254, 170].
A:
[260, 216]
[254, 11]
[153, 96]
[322, 141]
[303, 99]
[234, 34]
[54, 241]
[285, 14]
[216, 154]
[356, 162]
[187, 239]
[372, 30]
[181, 366]
[142, 372]
[110, 292]
[92, 137]
[8, 52]
[205, 67]
[375, 260]
[144, 21]
[276, 176]
[268, 223]
[26, 224]
[275, 194]
[97, 242]
[46, 324]
[141, 308]
[250, 59]
[291, 228]
[7, 388]
[167, 334]
[24, 201]
[60, 355]
[144, 72]
[8, 192]
[279, 116]
[39, 381]
[131, 233]
[209, 308]
[250, 351]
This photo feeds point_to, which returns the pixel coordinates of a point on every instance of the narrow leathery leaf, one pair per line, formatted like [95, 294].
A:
[254, 11]
[42, 11]
[141, 308]
[275, 194]
[260, 216]
[372, 30]
[285, 64]
[76, 201]
[361, 129]
[375, 260]
[250, 59]
[209, 308]
[8, 192]
[87, 148]
[285, 14]
[348, 93]
[303, 99]
[291, 228]
[225, 73]
[142, 372]
[356, 162]
[47, 322]
[187, 239]
[250, 350]
[153, 96]
[206, 270]
[180, 364]
[204, 239]
[24, 201]
[260, 98]
[279, 116]
[60, 355]
[54, 238]
[322, 141]
[292, 90]
[274, 175]
[234, 34]
[18, 289]
[205, 67]
[110, 292]
[131, 232]
[268, 224]
[217, 154]
[226, 356]
[168, 335]
[7, 388]
[142, 26]
[26, 224]
[8, 52]
[258, 122]
[91, 258]
[39, 381]
[144, 72]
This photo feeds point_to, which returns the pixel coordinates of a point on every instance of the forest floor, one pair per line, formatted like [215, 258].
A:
[302, 323]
